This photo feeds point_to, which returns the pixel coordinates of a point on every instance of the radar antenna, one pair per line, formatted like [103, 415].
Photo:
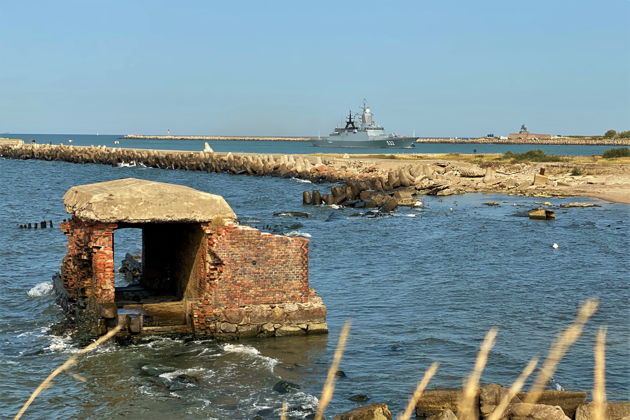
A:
[350, 122]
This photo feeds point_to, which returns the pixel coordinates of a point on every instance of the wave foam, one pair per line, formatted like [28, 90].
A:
[240, 348]
[295, 233]
[305, 181]
[250, 351]
[190, 371]
[41, 289]
[61, 344]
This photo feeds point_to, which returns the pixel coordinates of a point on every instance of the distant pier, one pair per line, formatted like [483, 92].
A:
[220, 138]
[567, 141]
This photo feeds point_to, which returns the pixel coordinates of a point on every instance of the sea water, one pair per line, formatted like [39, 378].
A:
[421, 285]
[299, 147]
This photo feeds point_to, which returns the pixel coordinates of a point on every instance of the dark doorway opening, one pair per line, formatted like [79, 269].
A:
[170, 267]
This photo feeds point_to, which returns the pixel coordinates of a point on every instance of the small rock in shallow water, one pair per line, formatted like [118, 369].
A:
[187, 379]
[340, 374]
[578, 204]
[265, 413]
[284, 387]
[359, 398]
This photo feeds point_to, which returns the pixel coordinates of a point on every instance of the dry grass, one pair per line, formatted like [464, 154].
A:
[559, 349]
[465, 410]
[283, 413]
[329, 385]
[66, 365]
[422, 385]
[514, 389]
[599, 382]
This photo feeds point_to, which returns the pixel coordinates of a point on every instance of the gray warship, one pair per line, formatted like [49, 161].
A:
[367, 135]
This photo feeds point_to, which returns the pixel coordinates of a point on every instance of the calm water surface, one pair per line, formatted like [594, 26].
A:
[420, 286]
[298, 147]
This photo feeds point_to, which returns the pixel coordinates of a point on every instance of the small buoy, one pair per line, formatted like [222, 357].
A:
[554, 246]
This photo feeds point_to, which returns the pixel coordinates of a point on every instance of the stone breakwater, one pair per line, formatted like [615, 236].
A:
[253, 138]
[312, 168]
[365, 182]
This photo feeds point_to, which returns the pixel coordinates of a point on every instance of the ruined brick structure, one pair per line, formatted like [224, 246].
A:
[202, 273]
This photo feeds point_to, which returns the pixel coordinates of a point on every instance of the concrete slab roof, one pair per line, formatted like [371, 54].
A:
[134, 200]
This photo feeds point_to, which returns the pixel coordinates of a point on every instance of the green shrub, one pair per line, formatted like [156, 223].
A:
[618, 152]
[532, 156]
[576, 172]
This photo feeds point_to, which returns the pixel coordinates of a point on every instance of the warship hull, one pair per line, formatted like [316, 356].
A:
[390, 143]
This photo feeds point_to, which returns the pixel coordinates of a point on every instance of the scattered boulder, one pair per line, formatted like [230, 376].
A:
[131, 268]
[541, 214]
[434, 401]
[359, 398]
[491, 203]
[472, 172]
[540, 180]
[446, 414]
[614, 411]
[567, 400]
[490, 396]
[389, 205]
[523, 411]
[368, 412]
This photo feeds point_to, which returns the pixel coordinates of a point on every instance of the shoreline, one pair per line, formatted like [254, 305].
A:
[567, 141]
[426, 174]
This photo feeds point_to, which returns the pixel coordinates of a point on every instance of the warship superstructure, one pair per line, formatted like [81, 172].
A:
[367, 134]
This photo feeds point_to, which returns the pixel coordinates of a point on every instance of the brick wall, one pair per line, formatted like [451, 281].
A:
[247, 267]
[87, 269]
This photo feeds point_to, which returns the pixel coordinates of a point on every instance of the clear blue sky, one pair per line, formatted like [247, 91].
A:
[457, 68]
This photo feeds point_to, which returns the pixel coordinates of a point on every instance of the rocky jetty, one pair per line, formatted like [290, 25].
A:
[384, 182]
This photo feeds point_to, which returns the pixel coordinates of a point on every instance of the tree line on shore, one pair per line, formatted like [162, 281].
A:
[613, 134]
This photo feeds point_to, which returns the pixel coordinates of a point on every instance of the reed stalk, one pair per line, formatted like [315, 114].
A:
[329, 385]
[465, 409]
[66, 365]
[559, 349]
[422, 385]
[283, 413]
[599, 383]
[514, 389]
